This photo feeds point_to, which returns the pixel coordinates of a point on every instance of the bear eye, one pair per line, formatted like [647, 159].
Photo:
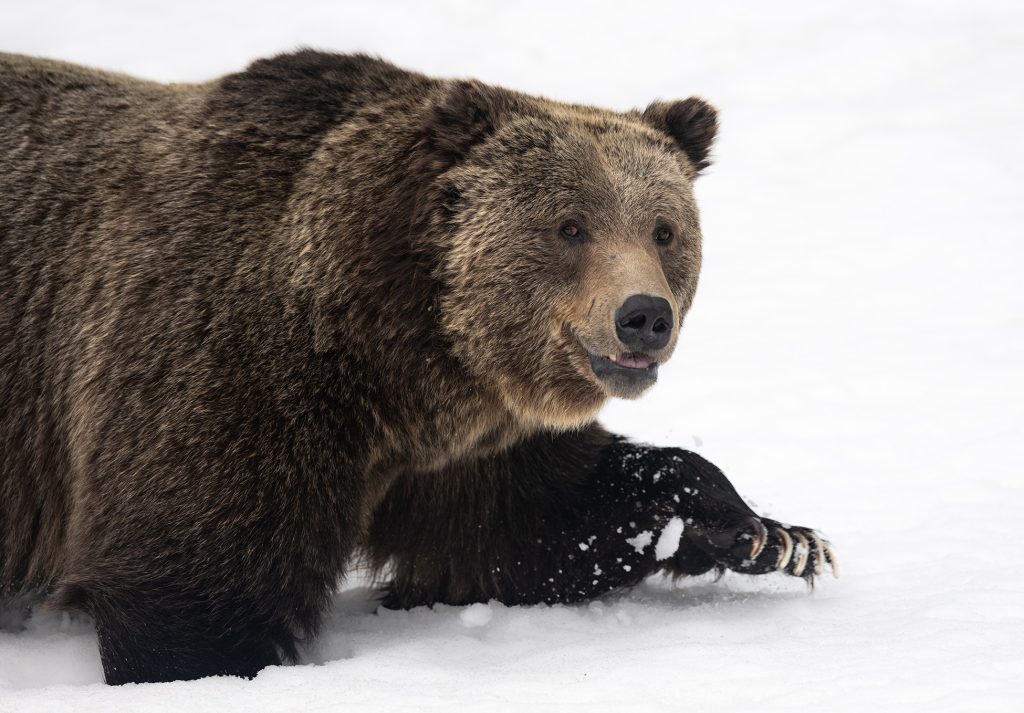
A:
[663, 235]
[571, 231]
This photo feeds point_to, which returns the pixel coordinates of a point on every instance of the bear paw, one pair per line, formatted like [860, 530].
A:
[761, 546]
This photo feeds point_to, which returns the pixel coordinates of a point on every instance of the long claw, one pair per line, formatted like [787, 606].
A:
[819, 554]
[760, 539]
[805, 553]
[787, 548]
[830, 555]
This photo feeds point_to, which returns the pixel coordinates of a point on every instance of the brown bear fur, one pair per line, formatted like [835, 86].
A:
[251, 327]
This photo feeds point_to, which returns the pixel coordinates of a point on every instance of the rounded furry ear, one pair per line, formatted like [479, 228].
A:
[692, 123]
[468, 114]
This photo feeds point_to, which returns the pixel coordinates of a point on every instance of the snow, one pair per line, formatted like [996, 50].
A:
[641, 541]
[668, 540]
[853, 360]
[476, 615]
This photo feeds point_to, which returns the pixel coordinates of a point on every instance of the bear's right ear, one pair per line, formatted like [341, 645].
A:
[692, 123]
[469, 113]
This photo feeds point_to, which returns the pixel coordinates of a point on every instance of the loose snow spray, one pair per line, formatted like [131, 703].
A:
[668, 542]
[641, 541]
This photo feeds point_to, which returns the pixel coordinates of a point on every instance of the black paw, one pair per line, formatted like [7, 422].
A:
[754, 545]
[722, 531]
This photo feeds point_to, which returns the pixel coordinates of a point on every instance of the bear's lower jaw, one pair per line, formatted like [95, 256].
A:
[625, 376]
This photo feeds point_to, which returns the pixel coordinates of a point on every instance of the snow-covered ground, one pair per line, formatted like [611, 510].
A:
[854, 360]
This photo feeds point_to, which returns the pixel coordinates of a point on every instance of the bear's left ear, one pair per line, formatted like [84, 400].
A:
[467, 114]
[692, 123]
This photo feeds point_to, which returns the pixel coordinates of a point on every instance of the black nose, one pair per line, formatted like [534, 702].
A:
[644, 322]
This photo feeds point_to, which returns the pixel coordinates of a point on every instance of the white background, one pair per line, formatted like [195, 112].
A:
[853, 360]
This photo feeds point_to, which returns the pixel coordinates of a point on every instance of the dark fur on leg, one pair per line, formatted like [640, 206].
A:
[152, 633]
[567, 518]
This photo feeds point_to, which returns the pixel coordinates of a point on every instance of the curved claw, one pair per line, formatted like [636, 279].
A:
[830, 555]
[805, 553]
[819, 554]
[760, 539]
[787, 548]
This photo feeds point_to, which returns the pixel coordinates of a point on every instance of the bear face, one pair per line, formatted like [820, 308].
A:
[573, 248]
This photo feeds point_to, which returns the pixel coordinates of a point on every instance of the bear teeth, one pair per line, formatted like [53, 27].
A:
[613, 357]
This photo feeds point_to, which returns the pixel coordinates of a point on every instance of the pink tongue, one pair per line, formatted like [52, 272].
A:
[633, 361]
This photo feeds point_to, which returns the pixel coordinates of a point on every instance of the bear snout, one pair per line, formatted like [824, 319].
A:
[644, 323]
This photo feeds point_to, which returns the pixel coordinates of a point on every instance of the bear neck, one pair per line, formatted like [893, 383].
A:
[356, 264]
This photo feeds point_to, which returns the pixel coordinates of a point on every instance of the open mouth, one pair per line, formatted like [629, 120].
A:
[633, 360]
[634, 365]
[623, 374]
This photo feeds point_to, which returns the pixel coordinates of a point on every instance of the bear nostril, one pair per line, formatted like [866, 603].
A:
[634, 321]
[644, 322]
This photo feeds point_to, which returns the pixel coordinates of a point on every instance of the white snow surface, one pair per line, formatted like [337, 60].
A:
[853, 360]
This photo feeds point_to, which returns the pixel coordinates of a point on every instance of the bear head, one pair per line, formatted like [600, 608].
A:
[572, 243]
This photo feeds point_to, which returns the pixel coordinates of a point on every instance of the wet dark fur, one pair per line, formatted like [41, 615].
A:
[222, 372]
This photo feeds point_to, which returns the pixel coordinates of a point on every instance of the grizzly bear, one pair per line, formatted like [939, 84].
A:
[326, 308]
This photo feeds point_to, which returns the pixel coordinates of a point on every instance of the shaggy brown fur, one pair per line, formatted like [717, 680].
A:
[251, 326]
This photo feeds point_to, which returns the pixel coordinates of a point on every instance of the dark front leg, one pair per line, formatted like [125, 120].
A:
[148, 635]
[570, 517]
[151, 631]
[222, 585]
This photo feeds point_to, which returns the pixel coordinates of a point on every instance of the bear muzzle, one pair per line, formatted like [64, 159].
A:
[644, 326]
